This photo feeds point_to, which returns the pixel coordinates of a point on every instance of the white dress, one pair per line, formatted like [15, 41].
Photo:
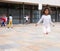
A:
[46, 23]
[10, 18]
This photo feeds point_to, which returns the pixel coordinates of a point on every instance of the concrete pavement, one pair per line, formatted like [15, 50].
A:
[29, 38]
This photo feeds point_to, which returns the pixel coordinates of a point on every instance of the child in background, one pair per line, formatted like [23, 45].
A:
[27, 19]
[4, 20]
[46, 18]
[10, 21]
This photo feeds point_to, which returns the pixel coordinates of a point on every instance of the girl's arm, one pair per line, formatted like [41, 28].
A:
[51, 21]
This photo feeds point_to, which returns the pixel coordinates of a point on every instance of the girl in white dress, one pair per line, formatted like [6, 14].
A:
[46, 18]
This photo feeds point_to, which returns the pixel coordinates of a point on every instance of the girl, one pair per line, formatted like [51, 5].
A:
[46, 18]
[10, 21]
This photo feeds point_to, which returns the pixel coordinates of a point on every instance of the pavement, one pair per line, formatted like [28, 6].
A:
[29, 38]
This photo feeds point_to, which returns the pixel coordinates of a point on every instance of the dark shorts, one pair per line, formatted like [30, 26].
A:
[26, 20]
[3, 23]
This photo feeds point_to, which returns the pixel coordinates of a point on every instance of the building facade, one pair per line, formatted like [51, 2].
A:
[20, 8]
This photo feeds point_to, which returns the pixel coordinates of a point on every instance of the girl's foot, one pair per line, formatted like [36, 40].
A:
[47, 33]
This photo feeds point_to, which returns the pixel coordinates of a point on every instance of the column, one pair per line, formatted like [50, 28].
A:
[57, 14]
[23, 13]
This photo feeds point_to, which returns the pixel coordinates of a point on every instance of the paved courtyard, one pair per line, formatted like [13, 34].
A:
[29, 38]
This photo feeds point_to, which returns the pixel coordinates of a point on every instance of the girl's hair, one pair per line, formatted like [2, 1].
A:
[43, 11]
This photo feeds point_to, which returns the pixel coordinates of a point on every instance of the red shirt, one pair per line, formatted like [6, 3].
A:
[3, 18]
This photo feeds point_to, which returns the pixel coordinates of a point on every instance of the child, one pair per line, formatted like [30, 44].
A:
[4, 20]
[27, 19]
[46, 18]
[10, 21]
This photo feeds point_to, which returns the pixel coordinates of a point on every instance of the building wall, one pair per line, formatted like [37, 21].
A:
[35, 12]
[49, 2]
[25, 1]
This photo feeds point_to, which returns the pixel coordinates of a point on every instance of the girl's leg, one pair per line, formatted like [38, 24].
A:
[45, 30]
[4, 23]
[9, 24]
[48, 29]
[26, 21]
